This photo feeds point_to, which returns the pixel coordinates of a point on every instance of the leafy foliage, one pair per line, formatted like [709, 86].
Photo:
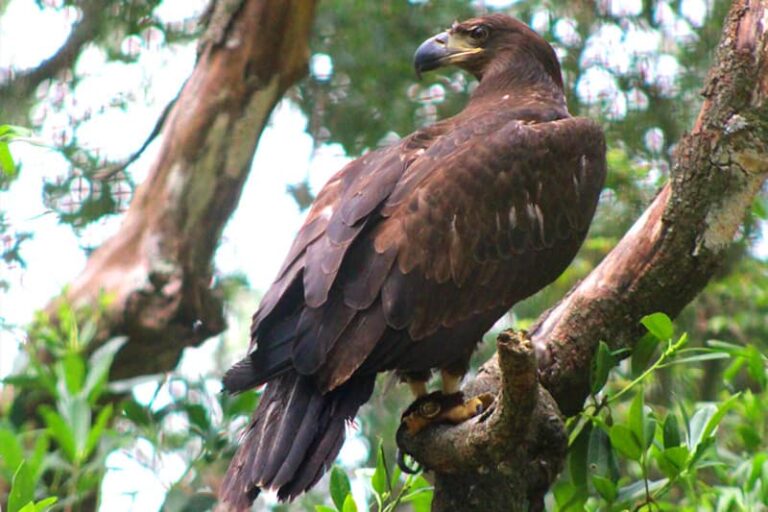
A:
[10, 240]
[55, 434]
[626, 454]
[388, 487]
[680, 424]
[8, 167]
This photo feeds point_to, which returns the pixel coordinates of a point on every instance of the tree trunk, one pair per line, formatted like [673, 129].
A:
[156, 271]
[665, 259]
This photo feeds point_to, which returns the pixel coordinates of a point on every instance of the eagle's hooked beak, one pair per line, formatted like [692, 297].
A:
[441, 50]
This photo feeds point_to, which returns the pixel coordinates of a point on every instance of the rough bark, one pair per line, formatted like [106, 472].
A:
[156, 271]
[665, 259]
[511, 453]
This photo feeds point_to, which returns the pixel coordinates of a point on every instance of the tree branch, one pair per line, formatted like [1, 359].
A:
[517, 445]
[665, 259]
[157, 269]
[676, 246]
[15, 93]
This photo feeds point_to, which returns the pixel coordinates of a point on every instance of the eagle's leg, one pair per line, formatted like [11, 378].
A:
[417, 381]
[451, 380]
[446, 406]
[463, 409]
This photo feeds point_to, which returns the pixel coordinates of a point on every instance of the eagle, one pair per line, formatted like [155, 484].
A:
[412, 252]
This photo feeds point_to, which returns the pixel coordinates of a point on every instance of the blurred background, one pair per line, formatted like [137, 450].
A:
[164, 441]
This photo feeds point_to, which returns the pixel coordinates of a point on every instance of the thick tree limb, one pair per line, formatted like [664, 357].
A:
[157, 268]
[661, 263]
[675, 247]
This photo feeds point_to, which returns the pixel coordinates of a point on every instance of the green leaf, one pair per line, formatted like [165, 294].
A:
[757, 468]
[349, 504]
[198, 416]
[7, 165]
[60, 432]
[659, 325]
[722, 410]
[11, 451]
[600, 457]
[99, 365]
[569, 497]
[649, 429]
[624, 440]
[643, 352]
[730, 373]
[760, 208]
[698, 425]
[379, 480]
[420, 495]
[636, 490]
[577, 456]
[73, 370]
[9, 132]
[671, 431]
[339, 487]
[696, 359]
[324, 508]
[40, 506]
[46, 503]
[78, 413]
[672, 461]
[756, 365]
[22, 489]
[88, 331]
[136, 412]
[242, 404]
[39, 452]
[395, 478]
[98, 428]
[637, 417]
[750, 437]
[601, 367]
[605, 488]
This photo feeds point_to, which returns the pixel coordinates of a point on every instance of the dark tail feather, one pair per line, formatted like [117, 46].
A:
[241, 376]
[272, 358]
[294, 437]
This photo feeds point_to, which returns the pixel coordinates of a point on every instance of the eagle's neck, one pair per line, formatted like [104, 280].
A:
[520, 82]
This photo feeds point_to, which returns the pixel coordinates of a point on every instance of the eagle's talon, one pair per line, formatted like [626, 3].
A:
[403, 465]
[469, 409]
[440, 408]
[429, 409]
[489, 405]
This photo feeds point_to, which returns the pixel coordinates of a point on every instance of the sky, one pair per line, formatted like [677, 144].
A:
[54, 256]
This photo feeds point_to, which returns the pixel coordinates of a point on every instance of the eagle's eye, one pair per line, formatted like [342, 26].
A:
[479, 34]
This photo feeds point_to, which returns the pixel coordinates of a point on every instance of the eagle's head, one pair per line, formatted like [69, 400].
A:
[488, 45]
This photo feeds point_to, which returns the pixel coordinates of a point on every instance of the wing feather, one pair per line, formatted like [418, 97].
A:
[474, 220]
[413, 240]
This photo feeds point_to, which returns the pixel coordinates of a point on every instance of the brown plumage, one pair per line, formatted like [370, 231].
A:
[411, 252]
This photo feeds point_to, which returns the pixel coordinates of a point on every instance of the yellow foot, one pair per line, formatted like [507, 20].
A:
[440, 408]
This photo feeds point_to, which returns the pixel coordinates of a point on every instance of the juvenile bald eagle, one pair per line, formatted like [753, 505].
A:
[411, 252]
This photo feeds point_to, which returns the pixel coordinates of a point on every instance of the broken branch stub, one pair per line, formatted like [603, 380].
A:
[509, 454]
